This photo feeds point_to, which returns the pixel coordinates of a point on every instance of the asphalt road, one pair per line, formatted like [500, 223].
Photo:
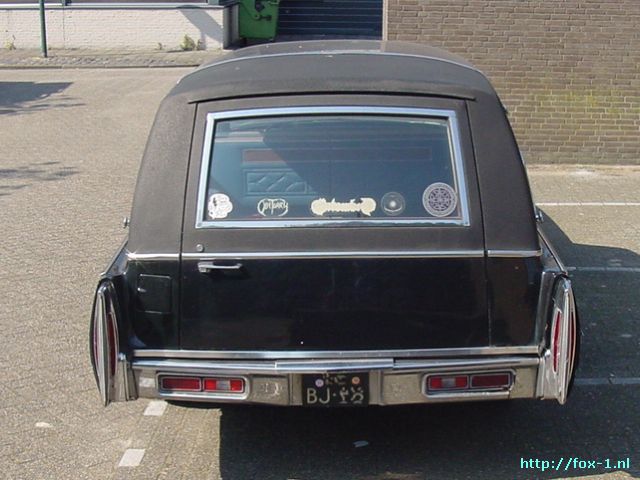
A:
[70, 143]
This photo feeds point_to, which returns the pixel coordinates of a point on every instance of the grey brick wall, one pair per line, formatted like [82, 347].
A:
[567, 70]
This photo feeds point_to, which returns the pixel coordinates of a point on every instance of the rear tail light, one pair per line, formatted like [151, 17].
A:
[112, 330]
[560, 356]
[491, 380]
[451, 382]
[104, 346]
[233, 385]
[469, 382]
[202, 384]
[181, 384]
[555, 345]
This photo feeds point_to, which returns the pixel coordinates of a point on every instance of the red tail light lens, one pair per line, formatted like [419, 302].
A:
[113, 348]
[449, 382]
[491, 380]
[197, 384]
[469, 382]
[556, 339]
[230, 385]
[182, 384]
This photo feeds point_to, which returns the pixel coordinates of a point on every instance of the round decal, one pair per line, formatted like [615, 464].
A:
[393, 204]
[219, 206]
[439, 199]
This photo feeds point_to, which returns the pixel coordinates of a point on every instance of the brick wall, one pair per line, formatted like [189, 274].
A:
[110, 27]
[567, 70]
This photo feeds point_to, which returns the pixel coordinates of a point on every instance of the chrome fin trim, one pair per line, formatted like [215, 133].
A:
[119, 385]
[553, 382]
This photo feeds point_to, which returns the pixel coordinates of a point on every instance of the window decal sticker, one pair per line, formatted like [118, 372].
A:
[273, 207]
[393, 203]
[219, 206]
[439, 199]
[322, 206]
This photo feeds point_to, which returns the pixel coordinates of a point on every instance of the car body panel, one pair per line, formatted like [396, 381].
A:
[400, 302]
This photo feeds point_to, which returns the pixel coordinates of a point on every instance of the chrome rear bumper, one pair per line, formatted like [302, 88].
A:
[391, 381]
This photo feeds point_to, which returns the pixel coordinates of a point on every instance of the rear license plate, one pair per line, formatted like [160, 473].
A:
[335, 389]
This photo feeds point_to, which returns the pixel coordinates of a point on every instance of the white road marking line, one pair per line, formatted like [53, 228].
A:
[43, 425]
[155, 408]
[604, 269]
[132, 457]
[579, 382]
[588, 204]
[590, 382]
[626, 381]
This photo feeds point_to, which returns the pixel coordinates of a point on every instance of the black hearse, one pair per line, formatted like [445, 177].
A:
[334, 223]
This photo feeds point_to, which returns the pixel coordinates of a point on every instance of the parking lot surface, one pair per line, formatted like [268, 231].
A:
[70, 145]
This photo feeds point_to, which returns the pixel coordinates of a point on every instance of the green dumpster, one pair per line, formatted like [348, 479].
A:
[258, 18]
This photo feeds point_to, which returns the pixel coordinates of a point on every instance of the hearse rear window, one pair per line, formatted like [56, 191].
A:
[315, 169]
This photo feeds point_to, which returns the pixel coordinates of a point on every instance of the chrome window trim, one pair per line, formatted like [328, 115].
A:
[339, 254]
[454, 145]
[324, 354]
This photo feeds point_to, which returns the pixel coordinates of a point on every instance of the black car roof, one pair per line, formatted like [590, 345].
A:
[345, 73]
[334, 66]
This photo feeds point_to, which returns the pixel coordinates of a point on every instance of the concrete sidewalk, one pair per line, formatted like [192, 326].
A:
[115, 58]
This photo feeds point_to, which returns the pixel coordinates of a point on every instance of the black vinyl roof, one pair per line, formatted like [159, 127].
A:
[334, 66]
[295, 74]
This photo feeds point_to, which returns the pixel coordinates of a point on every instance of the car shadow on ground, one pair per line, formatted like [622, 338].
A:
[606, 281]
[471, 440]
[576, 254]
[14, 179]
[517, 439]
[29, 97]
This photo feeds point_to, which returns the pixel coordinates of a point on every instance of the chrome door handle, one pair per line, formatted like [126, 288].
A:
[206, 267]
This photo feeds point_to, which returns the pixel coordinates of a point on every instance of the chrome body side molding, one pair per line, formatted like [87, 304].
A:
[131, 256]
[513, 253]
[328, 354]
[341, 254]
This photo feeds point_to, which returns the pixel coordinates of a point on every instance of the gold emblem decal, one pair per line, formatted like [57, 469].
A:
[322, 206]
